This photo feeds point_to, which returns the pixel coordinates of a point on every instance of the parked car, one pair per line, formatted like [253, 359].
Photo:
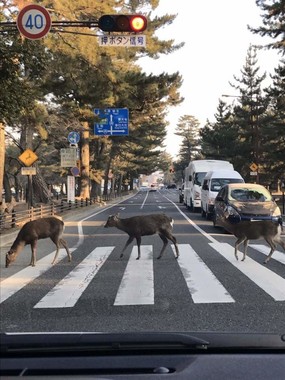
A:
[238, 202]
[214, 180]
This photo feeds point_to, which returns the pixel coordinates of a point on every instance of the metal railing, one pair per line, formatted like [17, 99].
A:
[16, 218]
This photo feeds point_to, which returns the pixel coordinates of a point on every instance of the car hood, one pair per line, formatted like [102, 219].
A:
[255, 208]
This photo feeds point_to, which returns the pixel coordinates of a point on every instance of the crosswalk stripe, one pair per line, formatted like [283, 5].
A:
[277, 255]
[267, 280]
[203, 286]
[67, 292]
[16, 282]
[137, 285]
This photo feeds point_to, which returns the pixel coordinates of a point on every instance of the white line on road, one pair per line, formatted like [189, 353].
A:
[267, 280]
[67, 292]
[145, 198]
[204, 287]
[277, 255]
[137, 285]
[16, 282]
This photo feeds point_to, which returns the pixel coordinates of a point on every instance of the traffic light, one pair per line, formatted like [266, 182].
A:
[122, 23]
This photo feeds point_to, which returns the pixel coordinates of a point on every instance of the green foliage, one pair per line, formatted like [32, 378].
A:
[53, 85]
[273, 22]
[252, 128]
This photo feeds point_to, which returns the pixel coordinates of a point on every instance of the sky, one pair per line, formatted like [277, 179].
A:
[216, 43]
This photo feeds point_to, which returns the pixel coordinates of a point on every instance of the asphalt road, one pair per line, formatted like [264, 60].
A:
[205, 289]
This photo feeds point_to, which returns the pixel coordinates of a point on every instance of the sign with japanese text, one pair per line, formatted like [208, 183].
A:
[68, 157]
[70, 188]
[128, 40]
[113, 122]
[28, 170]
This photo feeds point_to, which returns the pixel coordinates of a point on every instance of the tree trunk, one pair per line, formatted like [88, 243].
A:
[2, 157]
[41, 191]
[85, 164]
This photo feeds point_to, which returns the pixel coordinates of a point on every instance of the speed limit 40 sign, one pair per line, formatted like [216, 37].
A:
[34, 22]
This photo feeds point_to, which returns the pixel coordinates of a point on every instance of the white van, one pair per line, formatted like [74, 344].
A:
[212, 183]
[194, 175]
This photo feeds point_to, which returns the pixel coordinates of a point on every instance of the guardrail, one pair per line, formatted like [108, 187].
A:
[16, 218]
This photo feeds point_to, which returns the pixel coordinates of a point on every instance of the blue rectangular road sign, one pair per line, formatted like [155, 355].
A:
[113, 122]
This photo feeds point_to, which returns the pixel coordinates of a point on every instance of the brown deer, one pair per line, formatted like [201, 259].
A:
[142, 225]
[49, 227]
[247, 230]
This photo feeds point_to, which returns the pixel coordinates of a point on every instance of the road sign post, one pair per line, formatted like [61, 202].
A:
[34, 22]
[113, 122]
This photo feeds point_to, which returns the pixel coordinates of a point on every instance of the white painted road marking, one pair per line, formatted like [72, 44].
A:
[67, 292]
[203, 286]
[267, 280]
[137, 285]
[277, 255]
[16, 282]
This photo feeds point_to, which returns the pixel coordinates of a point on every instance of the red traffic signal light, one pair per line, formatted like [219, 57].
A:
[122, 23]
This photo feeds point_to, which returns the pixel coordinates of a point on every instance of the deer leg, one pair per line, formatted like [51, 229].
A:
[273, 247]
[237, 243]
[245, 244]
[174, 241]
[64, 244]
[165, 242]
[130, 239]
[139, 239]
[34, 252]
[56, 253]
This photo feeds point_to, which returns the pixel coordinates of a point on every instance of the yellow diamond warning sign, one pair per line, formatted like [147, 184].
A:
[253, 167]
[28, 157]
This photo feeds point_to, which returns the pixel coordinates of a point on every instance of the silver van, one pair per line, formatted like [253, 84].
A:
[212, 183]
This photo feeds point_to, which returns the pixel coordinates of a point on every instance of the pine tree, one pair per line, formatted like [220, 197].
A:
[273, 22]
[250, 115]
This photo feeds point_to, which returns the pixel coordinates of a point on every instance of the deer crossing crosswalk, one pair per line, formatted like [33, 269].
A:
[137, 284]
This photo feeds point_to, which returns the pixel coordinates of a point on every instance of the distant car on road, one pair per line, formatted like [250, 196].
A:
[153, 187]
[238, 202]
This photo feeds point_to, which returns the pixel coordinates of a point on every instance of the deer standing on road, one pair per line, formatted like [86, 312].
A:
[49, 227]
[142, 225]
[247, 230]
